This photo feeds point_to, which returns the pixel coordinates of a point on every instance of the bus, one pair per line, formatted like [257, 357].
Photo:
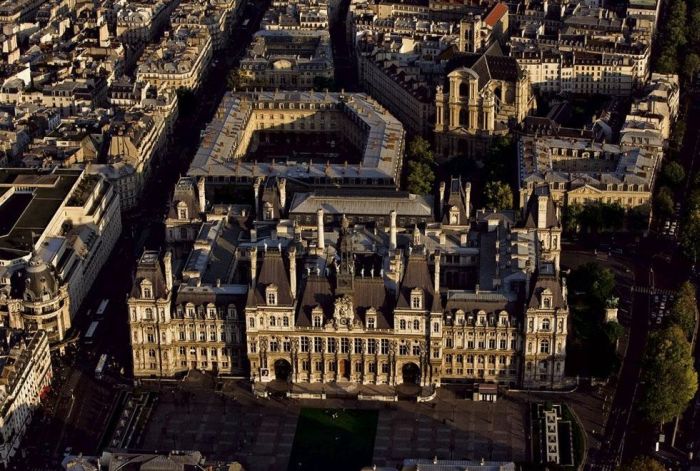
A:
[90, 334]
[102, 307]
[101, 364]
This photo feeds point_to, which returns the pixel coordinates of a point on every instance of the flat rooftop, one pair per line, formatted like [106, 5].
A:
[243, 118]
[29, 199]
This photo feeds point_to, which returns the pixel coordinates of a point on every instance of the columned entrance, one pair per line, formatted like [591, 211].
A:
[410, 373]
[344, 370]
[283, 370]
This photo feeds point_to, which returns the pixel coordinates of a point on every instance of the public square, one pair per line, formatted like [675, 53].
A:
[233, 425]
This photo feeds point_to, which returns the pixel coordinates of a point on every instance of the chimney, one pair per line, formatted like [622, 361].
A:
[253, 264]
[467, 200]
[282, 185]
[256, 195]
[201, 192]
[436, 280]
[541, 211]
[392, 230]
[441, 195]
[168, 266]
[320, 230]
[293, 270]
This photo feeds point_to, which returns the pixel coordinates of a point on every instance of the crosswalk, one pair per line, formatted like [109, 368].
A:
[652, 291]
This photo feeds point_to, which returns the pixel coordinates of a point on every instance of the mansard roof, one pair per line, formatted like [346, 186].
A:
[273, 271]
[546, 282]
[532, 208]
[417, 275]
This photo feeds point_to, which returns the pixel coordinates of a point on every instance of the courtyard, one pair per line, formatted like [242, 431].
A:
[263, 434]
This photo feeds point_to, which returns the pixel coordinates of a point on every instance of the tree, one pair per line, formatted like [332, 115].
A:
[673, 173]
[638, 218]
[642, 463]
[572, 216]
[419, 150]
[420, 178]
[694, 28]
[690, 235]
[612, 215]
[498, 195]
[670, 381]
[596, 281]
[664, 201]
[691, 65]
[684, 308]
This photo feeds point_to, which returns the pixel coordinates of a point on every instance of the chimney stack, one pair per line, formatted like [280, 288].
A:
[253, 264]
[201, 192]
[293, 270]
[392, 230]
[256, 196]
[467, 200]
[436, 280]
[441, 195]
[282, 184]
[320, 230]
[168, 266]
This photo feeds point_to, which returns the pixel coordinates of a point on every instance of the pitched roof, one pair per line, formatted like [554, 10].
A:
[417, 275]
[551, 283]
[496, 13]
[317, 292]
[532, 208]
[273, 270]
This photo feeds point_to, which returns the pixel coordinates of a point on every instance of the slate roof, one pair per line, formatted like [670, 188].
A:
[186, 192]
[417, 275]
[491, 65]
[273, 270]
[532, 208]
[149, 268]
[546, 282]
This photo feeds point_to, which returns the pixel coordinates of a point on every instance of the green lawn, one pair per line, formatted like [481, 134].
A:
[334, 439]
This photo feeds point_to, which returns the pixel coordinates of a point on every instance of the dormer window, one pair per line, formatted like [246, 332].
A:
[271, 295]
[454, 215]
[546, 301]
[268, 213]
[417, 298]
[146, 289]
[317, 321]
[371, 318]
[182, 211]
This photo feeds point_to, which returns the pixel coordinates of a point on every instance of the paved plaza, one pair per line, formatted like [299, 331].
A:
[259, 432]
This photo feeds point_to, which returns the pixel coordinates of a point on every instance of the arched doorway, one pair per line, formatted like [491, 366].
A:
[410, 373]
[344, 369]
[283, 370]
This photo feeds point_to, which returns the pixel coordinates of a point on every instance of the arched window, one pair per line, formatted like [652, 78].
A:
[251, 322]
[272, 321]
[416, 325]
[463, 118]
[402, 324]
[544, 346]
[149, 314]
[545, 324]
[463, 90]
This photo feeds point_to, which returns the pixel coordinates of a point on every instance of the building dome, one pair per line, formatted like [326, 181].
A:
[39, 281]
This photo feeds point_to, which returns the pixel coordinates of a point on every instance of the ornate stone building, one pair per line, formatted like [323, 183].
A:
[482, 95]
[460, 296]
[35, 300]
[175, 329]
[382, 314]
